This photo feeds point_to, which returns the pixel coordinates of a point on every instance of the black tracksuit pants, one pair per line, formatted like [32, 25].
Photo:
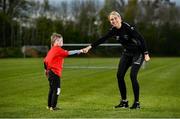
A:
[127, 60]
[54, 89]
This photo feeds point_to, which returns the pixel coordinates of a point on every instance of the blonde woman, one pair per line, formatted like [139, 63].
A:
[134, 53]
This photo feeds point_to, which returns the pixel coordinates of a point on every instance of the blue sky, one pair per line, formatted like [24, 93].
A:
[177, 2]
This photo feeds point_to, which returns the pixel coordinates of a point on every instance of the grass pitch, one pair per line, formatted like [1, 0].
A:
[89, 89]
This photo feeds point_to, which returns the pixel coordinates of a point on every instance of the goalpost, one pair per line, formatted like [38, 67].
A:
[86, 44]
[35, 50]
[106, 47]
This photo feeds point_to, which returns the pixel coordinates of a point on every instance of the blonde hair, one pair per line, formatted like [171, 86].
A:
[114, 13]
[54, 36]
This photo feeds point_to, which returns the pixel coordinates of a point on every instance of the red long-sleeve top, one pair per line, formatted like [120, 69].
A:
[55, 59]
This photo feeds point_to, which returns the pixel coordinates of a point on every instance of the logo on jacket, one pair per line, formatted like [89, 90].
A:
[125, 37]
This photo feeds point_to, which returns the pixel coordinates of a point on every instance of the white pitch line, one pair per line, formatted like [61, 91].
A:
[89, 67]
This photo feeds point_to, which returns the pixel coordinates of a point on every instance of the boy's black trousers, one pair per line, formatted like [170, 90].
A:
[54, 89]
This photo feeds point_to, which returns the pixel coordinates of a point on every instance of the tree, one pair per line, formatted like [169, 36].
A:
[157, 20]
[109, 6]
[44, 29]
[130, 12]
[14, 12]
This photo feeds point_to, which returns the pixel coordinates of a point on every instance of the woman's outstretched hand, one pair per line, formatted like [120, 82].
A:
[86, 49]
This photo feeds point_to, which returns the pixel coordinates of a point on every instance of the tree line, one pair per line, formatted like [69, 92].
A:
[31, 22]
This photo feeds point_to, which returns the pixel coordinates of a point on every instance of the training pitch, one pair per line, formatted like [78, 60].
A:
[88, 89]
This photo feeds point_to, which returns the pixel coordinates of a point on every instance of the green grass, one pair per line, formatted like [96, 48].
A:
[88, 93]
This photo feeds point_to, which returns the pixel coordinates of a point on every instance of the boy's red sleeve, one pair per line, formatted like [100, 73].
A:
[63, 53]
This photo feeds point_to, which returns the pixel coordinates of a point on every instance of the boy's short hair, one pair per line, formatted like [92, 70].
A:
[54, 36]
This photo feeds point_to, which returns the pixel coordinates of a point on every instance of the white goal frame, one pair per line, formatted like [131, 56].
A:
[86, 44]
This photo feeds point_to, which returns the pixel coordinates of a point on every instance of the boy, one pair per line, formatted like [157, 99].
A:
[53, 64]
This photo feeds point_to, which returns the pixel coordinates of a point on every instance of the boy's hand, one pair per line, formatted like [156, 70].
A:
[146, 57]
[46, 73]
[81, 50]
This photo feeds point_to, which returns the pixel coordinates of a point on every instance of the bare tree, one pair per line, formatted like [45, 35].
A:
[157, 11]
